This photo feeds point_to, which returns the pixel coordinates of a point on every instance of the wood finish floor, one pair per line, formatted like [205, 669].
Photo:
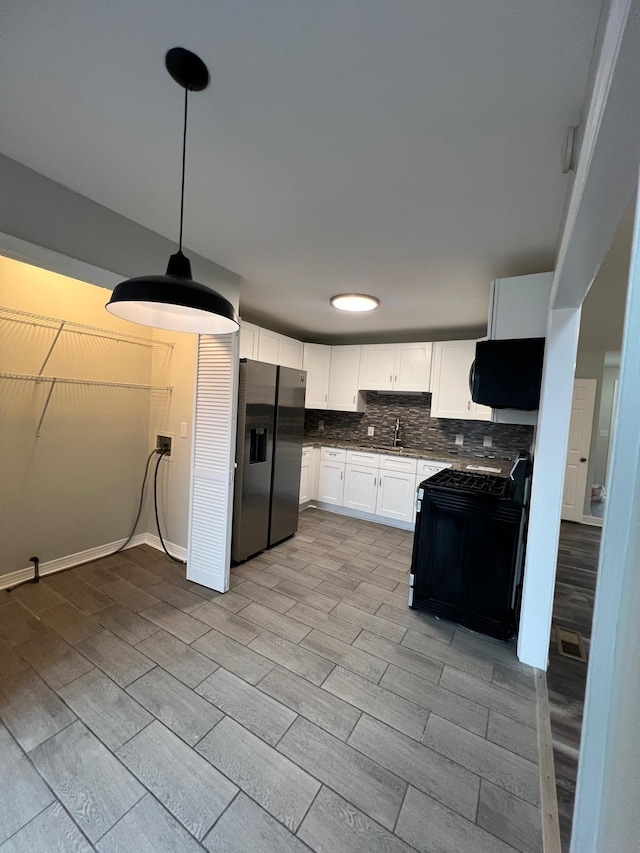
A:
[566, 678]
[307, 709]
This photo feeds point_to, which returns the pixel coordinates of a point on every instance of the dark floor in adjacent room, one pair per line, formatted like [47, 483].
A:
[307, 708]
[566, 678]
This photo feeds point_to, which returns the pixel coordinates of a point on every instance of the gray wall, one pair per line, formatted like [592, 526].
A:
[45, 213]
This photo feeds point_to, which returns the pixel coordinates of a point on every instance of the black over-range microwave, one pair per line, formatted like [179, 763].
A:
[508, 374]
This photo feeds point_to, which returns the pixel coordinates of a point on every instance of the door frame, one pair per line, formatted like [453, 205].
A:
[578, 514]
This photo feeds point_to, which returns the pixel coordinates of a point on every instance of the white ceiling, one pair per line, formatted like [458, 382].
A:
[406, 148]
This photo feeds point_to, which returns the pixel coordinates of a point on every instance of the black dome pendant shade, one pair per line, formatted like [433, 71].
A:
[174, 301]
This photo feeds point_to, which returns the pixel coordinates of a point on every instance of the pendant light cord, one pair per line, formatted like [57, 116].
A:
[184, 161]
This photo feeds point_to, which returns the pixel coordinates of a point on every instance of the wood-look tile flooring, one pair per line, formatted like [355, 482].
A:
[306, 709]
[576, 575]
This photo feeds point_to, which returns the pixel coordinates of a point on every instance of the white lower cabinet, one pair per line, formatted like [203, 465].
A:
[360, 488]
[309, 474]
[396, 488]
[331, 475]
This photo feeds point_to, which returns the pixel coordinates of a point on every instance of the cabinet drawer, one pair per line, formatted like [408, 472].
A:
[427, 467]
[362, 457]
[307, 452]
[398, 463]
[333, 454]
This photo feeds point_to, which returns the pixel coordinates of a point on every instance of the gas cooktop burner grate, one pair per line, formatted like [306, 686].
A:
[466, 482]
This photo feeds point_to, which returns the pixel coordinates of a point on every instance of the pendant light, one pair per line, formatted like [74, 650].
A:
[175, 301]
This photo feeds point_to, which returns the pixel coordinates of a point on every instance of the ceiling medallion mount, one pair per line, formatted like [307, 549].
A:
[187, 69]
[174, 301]
[354, 302]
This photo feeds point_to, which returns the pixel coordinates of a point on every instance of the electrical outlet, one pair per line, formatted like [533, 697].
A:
[459, 439]
[163, 442]
[371, 431]
[488, 441]
[320, 426]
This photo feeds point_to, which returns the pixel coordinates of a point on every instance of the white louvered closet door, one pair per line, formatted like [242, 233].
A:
[214, 446]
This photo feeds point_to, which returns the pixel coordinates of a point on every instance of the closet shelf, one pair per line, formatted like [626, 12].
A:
[55, 380]
[106, 383]
[78, 328]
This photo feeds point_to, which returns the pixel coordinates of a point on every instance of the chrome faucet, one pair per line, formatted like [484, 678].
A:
[397, 441]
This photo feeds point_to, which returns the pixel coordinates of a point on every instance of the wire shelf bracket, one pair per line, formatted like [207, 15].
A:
[54, 380]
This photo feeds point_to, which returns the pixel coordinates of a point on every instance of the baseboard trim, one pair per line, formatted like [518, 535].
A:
[62, 563]
[548, 794]
[80, 557]
[365, 516]
[592, 520]
[176, 550]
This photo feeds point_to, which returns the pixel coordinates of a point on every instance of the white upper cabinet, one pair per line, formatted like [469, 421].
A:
[344, 393]
[279, 349]
[396, 367]
[317, 363]
[248, 340]
[269, 346]
[519, 306]
[451, 398]
[413, 367]
[377, 366]
[290, 352]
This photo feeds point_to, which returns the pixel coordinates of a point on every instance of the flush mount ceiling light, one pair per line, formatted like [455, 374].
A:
[354, 302]
[175, 301]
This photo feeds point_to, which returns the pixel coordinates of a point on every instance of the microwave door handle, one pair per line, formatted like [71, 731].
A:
[472, 373]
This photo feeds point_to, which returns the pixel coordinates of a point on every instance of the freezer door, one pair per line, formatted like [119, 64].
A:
[254, 457]
[287, 454]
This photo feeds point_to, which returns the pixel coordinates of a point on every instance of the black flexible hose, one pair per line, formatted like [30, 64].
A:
[155, 507]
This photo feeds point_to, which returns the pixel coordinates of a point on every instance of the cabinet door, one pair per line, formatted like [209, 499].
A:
[331, 482]
[360, 484]
[451, 397]
[305, 480]
[520, 306]
[412, 370]
[396, 495]
[317, 363]
[248, 340]
[344, 394]
[290, 352]
[269, 346]
[377, 364]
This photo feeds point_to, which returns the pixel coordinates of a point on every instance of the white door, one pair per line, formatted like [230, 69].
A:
[317, 361]
[412, 371]
[331, 482]
[396, 495]
[344, 395]
[360, 488]
[377, 365]
[575, 477]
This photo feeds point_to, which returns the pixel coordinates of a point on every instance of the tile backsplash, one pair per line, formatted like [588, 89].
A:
[418, 430]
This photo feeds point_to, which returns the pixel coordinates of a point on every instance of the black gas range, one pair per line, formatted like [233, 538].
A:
[468, 549]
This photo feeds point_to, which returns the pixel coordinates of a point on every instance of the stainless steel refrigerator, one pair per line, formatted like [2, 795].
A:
[268, 456]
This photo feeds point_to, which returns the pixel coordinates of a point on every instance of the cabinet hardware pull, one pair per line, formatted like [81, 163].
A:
[374, 481]
[354, 398]
[341, 474]
[325, 398]
[469, 405]
[391, 378]
[396, 377]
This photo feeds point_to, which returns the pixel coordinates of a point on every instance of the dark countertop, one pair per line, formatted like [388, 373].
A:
[459, 461]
